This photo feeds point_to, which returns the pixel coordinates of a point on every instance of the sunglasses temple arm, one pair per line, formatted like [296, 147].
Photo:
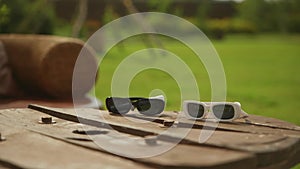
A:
[244, 114]
[136, 98]
[160, 97]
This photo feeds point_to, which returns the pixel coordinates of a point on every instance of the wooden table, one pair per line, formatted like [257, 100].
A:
[258, 142]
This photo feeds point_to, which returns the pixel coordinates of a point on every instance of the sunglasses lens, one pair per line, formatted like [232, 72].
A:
[118, 105]
[195, 110]
[150, 107]
[224, 112]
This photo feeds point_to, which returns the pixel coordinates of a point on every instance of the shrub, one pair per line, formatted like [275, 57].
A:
[217, 28]
[35, 16]
[242, 26]
[294, 24]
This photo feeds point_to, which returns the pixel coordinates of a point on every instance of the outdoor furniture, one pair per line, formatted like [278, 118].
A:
[258, 142]
[39, 69]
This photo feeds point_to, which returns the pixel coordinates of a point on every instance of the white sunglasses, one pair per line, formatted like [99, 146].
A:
[221, 111]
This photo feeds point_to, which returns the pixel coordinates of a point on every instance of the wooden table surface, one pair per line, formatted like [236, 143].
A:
[258, 142]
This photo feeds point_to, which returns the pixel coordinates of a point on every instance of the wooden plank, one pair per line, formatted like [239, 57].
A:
[271, 122]
[254, 124]
[269, 149]
[252, 119]
[292, 161]
[264, 145]
[271, 142]
[25, 149]
[154, 128]
[130, 124]
[180, 156]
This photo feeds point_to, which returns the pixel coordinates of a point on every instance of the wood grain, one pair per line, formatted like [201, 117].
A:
[197, 156]
[26, 149]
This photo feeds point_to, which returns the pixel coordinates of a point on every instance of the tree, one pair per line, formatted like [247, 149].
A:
[81, 17]
[28, 17]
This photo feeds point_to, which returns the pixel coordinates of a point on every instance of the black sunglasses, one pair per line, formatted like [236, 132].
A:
[146, 106]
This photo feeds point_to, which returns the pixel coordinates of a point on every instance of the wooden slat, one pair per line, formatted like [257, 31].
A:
[273, 141]
[180, 156]
[269, 149]
[25, 149]
[254, 124]
[272, 122]
[131, 122]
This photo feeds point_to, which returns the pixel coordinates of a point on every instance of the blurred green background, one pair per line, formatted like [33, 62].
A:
[257, 40]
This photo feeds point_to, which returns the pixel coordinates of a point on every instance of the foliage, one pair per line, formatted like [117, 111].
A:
[109, 14]
[32, 16]
[162, 6]
[249, 16]
[252, 16]
[279, 15]
[294, 23]
[218, 28]
[242, 26]
[4, 13]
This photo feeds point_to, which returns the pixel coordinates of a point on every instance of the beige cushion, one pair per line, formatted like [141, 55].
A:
[43, 65]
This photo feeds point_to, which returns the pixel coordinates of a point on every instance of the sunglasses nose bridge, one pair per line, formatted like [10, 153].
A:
[206, 108]
[134, 104]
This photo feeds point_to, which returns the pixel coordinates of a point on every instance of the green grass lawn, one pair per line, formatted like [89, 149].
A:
[262, 73]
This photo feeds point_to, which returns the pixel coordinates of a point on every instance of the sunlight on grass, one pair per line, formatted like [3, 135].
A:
[261, 71]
